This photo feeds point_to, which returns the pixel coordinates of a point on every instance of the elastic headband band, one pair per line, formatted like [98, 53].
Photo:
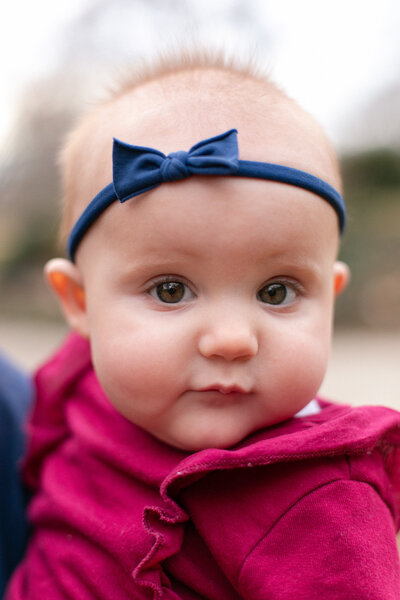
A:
[137, 169]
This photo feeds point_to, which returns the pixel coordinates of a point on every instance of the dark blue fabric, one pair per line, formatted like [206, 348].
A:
[138, 169]
[15, 398]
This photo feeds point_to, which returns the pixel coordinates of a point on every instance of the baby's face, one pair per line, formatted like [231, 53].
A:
[208, 302]
[209, 306]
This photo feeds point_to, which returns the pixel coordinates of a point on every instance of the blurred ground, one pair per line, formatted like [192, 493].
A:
[364, 366]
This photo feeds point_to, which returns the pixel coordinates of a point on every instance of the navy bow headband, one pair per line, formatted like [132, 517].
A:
[137, 169]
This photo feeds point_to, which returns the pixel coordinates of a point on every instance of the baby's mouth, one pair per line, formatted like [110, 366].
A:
[225, 389]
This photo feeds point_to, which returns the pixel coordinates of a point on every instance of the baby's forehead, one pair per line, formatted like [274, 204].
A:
[174, 112]
[195, 221]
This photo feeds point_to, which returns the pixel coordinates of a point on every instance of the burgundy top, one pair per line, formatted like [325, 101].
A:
[302, 510]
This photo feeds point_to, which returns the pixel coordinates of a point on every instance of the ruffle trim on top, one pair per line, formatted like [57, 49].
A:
[167, 530]
[336, 430]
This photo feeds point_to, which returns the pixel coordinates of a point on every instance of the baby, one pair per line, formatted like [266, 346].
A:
[177, 447]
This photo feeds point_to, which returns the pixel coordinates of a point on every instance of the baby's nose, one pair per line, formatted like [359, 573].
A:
[229, 340]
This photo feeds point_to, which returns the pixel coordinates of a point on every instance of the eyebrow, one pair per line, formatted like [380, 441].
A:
[299, 263]
[173, 260]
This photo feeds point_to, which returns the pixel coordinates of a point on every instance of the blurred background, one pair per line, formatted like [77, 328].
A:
[340, 60]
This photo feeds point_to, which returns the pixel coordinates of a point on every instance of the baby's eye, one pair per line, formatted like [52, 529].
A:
[277, 294]
[171, 292]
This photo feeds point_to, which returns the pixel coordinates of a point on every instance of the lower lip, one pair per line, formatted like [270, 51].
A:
[220, 397]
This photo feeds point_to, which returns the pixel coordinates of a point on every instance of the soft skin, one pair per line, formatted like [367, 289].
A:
[221, 363]
[224, 360]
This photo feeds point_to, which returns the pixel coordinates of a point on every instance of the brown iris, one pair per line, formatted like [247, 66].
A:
[273, 293]
[170, 291]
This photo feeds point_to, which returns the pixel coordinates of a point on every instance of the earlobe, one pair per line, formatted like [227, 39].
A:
[65, 280]
[341, 277]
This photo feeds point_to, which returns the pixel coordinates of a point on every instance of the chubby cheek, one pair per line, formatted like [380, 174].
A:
[135, 370]
[303, 368]
[311, 370]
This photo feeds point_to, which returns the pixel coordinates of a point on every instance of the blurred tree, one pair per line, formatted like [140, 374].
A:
[372, 242]
[376, 168]
[377, 124]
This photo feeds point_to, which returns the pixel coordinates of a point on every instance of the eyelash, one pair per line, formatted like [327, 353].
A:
[293, 287]
[168, 279]
[182, 290]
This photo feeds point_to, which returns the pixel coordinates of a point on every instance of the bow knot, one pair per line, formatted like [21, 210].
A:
[174, 166]
[137, 169]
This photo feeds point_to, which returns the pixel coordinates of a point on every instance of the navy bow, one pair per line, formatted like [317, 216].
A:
[137, 169]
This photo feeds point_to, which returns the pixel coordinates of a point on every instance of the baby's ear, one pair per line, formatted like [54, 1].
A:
[341, 277]
[66, 282]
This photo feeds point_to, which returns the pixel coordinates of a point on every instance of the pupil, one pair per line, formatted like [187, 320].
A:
[275, 293]
[171, 292]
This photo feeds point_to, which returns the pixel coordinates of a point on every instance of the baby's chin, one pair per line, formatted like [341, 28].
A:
[195, 439]
[197, 443]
